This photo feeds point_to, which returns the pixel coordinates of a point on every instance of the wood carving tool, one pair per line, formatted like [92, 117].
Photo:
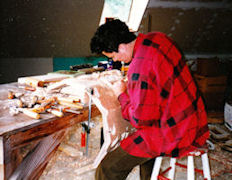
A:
[42, 107]
[123, 69]
[73, 105]
[69, 99]
[47, 104]
[29, 113]
[56, 112]
[11, 95]
[30, 88]
[43, 100]
[71, 111]
[34, 82]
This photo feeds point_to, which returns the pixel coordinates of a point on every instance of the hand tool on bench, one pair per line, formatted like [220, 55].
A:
[29, 112]
[56, 112]
[71, 111]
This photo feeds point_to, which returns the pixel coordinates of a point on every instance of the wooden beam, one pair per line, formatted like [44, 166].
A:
[12, 159]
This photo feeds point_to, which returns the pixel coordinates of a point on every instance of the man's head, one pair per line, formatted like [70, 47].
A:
[113, 39]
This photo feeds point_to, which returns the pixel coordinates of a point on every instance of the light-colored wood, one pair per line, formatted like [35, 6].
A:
[57, 113]
[69, 150]
[31, 113]
[69, 99]
[40, 80]
[1, 159]
[73, 105]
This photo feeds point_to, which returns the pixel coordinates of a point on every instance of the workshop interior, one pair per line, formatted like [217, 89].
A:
[52, 125]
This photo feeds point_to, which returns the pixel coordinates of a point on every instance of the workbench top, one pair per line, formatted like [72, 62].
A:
[20, 130]
[10, 123]
[19, 122]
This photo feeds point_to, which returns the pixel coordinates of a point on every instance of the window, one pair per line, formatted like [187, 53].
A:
[129, 11]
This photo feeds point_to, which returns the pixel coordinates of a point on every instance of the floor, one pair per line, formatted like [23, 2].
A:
[71, 163]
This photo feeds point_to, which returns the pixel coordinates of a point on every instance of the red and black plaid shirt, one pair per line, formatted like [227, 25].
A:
[162, 101]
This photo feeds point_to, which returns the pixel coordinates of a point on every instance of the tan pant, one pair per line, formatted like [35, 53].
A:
[118, 164]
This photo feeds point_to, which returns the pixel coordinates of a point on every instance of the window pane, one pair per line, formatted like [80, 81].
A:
[129, 11]
[119, 9]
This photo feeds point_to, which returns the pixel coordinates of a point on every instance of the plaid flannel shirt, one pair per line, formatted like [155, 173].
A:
[162, 101]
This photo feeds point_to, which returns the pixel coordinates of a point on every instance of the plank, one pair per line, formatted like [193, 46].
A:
[12, 159]
[35, 162]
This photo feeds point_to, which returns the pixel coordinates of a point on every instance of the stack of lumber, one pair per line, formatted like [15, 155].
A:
[212, 82]
[212, 90]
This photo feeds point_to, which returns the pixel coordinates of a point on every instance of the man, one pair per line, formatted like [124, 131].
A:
[160, 100]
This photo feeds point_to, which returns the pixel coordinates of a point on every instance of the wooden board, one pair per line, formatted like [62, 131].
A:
[40, 80]
[215, 117]
[211, 84]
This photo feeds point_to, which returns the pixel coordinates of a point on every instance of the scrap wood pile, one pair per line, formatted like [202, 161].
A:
[53, 93]
[212, 78]
[38, 102]
[221, 136]
[220, 153]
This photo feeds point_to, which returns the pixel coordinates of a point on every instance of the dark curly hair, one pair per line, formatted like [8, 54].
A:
[109, 35]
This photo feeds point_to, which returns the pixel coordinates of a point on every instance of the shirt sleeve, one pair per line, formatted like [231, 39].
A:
[139, 104]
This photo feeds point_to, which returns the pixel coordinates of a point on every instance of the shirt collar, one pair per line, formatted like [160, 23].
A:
[138, 41]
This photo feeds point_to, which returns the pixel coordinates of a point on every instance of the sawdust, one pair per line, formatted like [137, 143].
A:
[65, 167]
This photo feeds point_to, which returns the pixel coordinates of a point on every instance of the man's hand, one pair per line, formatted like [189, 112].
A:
[119, 87]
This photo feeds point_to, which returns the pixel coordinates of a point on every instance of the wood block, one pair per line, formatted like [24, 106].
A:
[211, 84]
[40, 80]
[215, 117]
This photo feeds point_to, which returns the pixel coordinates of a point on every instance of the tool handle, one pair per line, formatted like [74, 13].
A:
[57, 113]
[31, 113]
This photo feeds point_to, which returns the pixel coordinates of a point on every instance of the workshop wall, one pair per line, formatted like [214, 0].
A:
[12, 68]
[32, 28]
[198, 26]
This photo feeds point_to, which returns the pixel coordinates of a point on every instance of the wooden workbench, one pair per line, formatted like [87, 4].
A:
[45, 134]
